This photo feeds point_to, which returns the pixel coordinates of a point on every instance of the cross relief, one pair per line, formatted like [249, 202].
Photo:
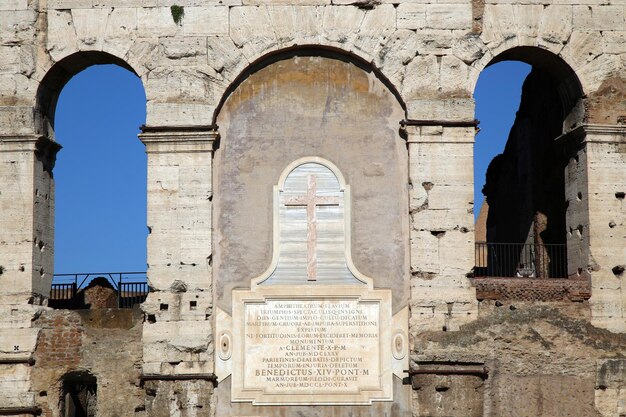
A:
[311, 201]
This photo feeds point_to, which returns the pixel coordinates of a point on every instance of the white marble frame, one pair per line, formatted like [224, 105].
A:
[361, 395]
[230, 331]
[344, 188]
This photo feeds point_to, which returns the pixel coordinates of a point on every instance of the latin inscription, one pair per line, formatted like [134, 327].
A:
[312, 346]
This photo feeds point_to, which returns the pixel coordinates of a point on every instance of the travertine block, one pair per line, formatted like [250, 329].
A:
[595, 72]
[185, 3]
[17, 27]
[120, 30]
[340, 25]
[88, 26]
[125, 3]
[18, 341]
[442, 220]
[16, 316]
[14, 386]
[460, 109]
[614, 42]
[425, 255]
[426, 288]
[172, 342]
[497, 22]
[14, 5]
[251, 30]
[225, 57]
[62, 39]
[582, 47]
[178, 52]
[455, 80]
[287, 2]
[285, 25]
[69, 4]
[599, 17]
[377, 25]
[448, 16]
[205, 21]
[456, 253]
[411, 16]
[179, 113]
[422, 77]
[185, 306]
[556, 23]
[439, 164]
[178, 83]
[156, 21]
[457, 196]
[396, 51]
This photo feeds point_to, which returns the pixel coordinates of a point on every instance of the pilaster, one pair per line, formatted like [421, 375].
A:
[441, 200]
[177, 334]
[599, 224]
[26, 259]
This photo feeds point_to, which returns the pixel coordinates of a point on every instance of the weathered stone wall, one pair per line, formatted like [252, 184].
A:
[105, 343]
[430, 54]
[539, 360]
[298, 107]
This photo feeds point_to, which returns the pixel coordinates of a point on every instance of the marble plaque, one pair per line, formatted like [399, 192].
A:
[311, 329]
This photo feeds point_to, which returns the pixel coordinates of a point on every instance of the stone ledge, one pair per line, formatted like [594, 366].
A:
[19, 411]
[532, 289]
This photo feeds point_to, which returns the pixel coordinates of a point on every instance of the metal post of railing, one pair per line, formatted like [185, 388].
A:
[524, 260]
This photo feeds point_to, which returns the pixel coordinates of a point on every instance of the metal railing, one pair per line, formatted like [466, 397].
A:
[521, 260]
[131, 287]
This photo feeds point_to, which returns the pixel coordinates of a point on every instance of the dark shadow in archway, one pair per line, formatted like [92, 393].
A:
[525, 227]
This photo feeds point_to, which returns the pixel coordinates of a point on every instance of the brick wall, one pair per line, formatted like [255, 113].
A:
[105, 343]
[532, 289]
[60, 341]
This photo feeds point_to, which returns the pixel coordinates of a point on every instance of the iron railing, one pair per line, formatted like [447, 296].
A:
[521, 260]
[131, 287]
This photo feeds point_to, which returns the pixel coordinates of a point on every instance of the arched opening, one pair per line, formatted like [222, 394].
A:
[92, 104]
[521, 228]
[79, 395]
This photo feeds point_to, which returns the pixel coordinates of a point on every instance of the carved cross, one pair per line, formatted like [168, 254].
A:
[311, 200]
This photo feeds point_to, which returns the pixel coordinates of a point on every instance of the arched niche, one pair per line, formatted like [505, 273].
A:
[303, 103]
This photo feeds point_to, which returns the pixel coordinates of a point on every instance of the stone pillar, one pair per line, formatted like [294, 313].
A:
[605, 147]
[442, 225]
[577, 197]
[177, 332]
[26, 259]
[27, 224]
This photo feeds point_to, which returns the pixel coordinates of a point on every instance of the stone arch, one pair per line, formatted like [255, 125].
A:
[57, 77]
[268, 58]
[303, 103]
[563, 76]
[527, 190]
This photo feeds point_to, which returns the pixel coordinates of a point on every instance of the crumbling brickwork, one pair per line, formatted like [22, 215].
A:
[102, 343]
[531, 289]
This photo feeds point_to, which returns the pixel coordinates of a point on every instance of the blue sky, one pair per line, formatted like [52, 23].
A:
[100, 174]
